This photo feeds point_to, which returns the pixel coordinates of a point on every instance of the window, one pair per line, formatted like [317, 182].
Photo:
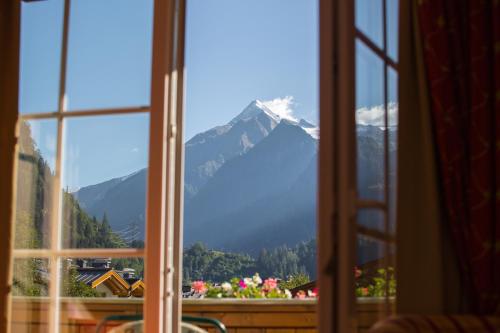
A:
[84, 126]
[101, 116]
[376, 142]
[357, 163]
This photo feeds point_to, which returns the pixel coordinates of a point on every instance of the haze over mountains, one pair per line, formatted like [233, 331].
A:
[249, 184]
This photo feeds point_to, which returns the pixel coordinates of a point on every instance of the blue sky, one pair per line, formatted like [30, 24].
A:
[236, 51]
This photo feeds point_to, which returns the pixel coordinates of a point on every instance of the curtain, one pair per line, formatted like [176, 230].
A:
[460, 43]
[9, 69]
[428, 278]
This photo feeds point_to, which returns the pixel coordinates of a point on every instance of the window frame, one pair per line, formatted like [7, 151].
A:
[164, 192]
[338, 202]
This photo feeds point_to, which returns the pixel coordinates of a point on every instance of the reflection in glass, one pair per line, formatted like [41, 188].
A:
[30, 287]
[30, 277]
[392, 10]
[41, 29]
[102, 277]
[369, 20]
[109, 53]
[372, 218]
[370, 123]
[374, 280]
[104, 181]
[86, 281]
[393, 144]
[35, 178]
[374, 272]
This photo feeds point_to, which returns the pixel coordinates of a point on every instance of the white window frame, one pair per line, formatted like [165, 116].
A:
[162, 251]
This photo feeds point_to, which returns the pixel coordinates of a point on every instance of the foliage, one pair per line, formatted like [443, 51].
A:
[295, 281]
[135, 263]
[29, 279]
[36, 181]
[71, 287]
[201, 263]
[244, 288]
[376, 285]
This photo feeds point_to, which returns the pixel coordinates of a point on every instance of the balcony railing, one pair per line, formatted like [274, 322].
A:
[80, 315]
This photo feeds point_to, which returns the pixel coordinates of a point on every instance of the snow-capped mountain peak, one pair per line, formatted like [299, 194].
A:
[253, 109]
[258, 107]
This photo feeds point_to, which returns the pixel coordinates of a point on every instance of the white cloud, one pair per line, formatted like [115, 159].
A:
[134, 150]
[283, 107]
[375, 115]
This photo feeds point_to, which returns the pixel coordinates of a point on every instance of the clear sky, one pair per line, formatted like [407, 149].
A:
[236, 51]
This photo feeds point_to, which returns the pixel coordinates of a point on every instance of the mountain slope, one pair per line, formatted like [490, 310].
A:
[255, 176]
[206, 152]
[285, 218]
[269, 169]
[122, 199]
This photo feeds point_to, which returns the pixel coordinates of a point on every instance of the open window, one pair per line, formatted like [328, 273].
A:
[102, 150]
[92, 117]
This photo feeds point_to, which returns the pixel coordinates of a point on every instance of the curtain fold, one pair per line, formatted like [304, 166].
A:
[9, 72]
[460, 44]
[428, 279]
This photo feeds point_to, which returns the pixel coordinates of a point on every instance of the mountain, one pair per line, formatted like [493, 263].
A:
[248, 192]
[206, 152]
[122, 199]
[249, 184]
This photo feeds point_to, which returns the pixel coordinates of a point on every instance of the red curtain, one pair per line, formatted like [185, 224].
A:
[461, 48]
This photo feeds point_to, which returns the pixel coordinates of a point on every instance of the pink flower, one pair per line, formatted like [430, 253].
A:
[270, 284]
[242, 284]
[300, 294]
[199, 287]
[357, 272]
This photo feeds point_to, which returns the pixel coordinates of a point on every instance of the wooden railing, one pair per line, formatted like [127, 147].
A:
[80, 315]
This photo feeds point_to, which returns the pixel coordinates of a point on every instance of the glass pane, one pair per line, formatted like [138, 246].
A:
[392, 28]
[35, 179]
[41, 29]
[372, 218]
[393, 145]
[86, 281]
[104, 181]
[369, 19]
[370, 123]
[30, 288]
[109, 53]
[375, 281]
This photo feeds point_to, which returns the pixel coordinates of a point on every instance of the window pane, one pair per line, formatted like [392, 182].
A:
[104, 181]
[30, 288]
[369, 20]
[370, 124]
[35, 179]
[372, 218]
[375, 281]
[392, 28]
[95, 288]
[41, 31]
[109, 54]
[393, 145]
